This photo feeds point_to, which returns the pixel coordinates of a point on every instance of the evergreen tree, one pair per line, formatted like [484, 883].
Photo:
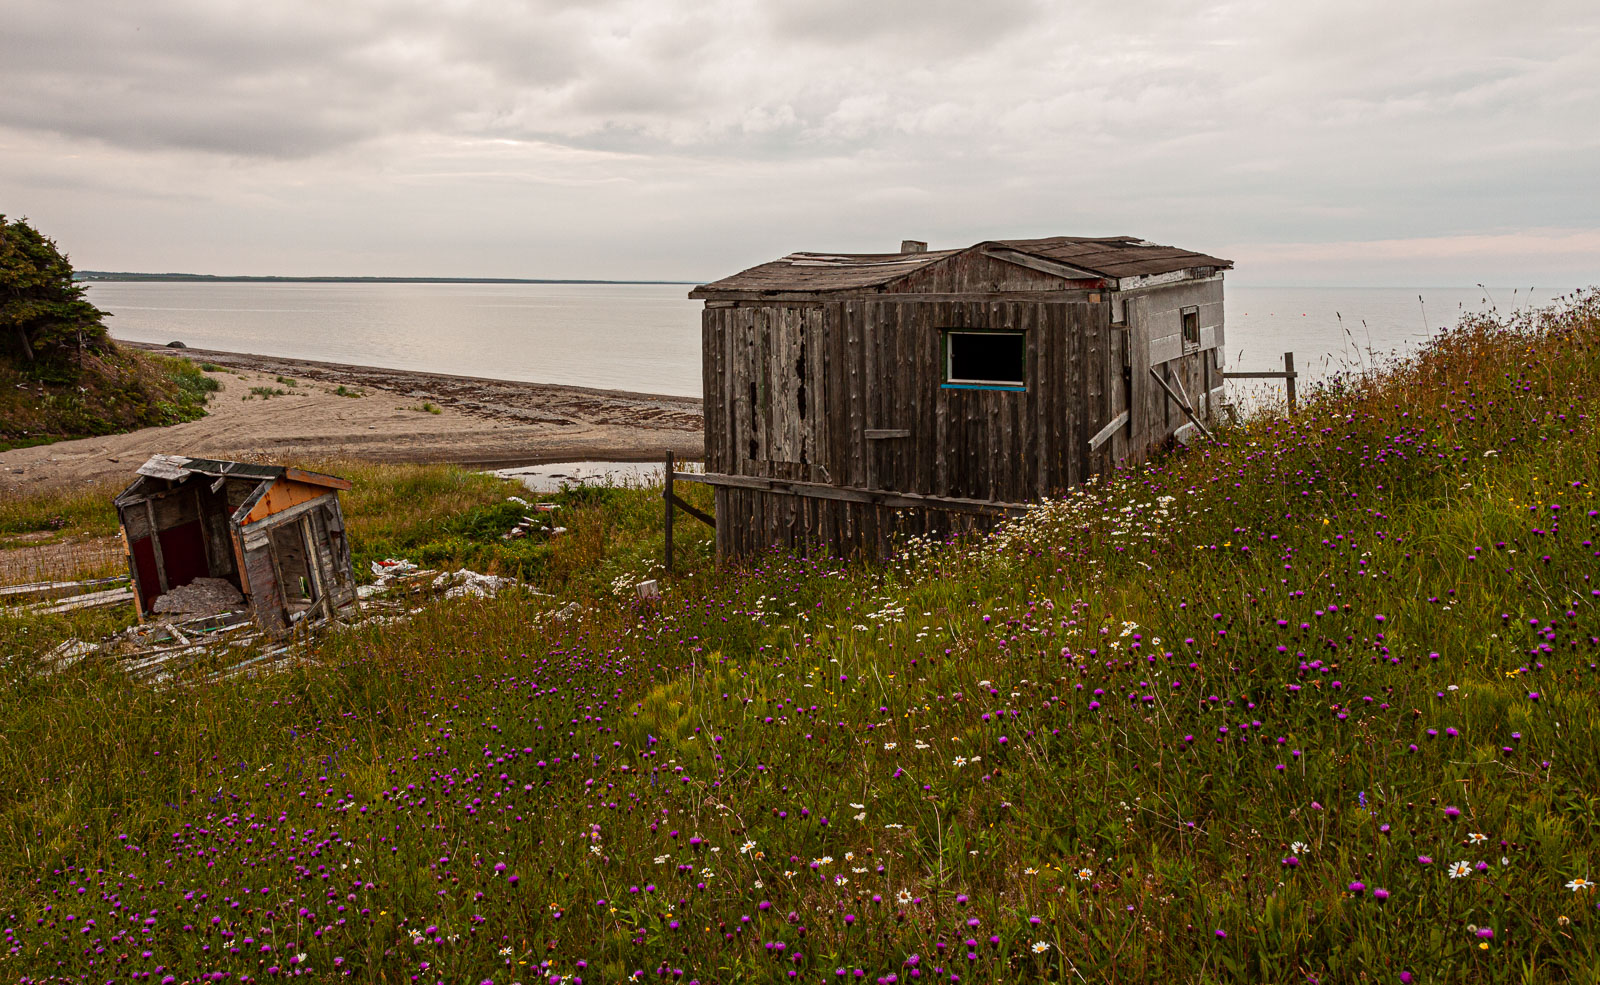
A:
[46, 324]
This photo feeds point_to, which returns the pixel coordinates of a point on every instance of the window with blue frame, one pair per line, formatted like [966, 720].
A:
[985, 360]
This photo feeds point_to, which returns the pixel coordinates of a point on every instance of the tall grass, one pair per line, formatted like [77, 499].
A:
[100, 393]
[1311, 704]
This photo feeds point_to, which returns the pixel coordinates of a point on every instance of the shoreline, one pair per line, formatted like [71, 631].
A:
[347, 372]
[474, 422]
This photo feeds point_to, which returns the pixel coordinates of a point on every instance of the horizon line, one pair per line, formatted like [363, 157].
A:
[130, 275]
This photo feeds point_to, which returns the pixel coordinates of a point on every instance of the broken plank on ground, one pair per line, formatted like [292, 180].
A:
[56, 588]
[93, 600]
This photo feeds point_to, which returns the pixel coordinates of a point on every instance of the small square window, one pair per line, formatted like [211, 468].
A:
[1191, 327]
[986, 359]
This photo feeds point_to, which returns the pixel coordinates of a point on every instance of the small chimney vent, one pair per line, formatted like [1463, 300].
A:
[913, 246]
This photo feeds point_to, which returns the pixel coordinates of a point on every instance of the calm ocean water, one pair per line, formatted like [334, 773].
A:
[647, 337]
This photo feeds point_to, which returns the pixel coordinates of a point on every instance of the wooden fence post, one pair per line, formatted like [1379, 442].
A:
[1289, 375]
[667, 497]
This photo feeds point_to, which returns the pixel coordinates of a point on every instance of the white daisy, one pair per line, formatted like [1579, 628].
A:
[1580, 883]
[1460, 869]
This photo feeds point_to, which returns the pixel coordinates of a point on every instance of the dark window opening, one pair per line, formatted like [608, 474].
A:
[1191, 326]
[986, 359]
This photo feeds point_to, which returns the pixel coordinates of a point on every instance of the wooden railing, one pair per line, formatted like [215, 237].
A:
[1288, 375]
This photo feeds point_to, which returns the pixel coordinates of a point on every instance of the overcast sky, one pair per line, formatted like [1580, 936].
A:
[1399, 142]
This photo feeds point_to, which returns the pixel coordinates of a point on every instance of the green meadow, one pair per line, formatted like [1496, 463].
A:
[1312, 703]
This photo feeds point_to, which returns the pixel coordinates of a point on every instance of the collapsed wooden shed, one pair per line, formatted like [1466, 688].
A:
[851, 397]
[274, 533]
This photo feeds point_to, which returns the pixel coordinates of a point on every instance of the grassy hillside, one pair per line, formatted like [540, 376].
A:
[1313, 704]
[107, 393]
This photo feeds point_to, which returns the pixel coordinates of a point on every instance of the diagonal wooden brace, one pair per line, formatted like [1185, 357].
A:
[1183, 404]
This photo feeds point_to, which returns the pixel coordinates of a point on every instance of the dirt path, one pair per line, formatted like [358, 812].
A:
[480, 422]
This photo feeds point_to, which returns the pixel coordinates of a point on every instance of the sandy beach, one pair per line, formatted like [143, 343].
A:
[479, 422]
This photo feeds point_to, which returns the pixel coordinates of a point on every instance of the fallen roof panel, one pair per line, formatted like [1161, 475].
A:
[164, 467]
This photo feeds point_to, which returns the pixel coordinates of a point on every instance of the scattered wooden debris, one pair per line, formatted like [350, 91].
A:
[230, 644]
[56, 589]
[92, 600]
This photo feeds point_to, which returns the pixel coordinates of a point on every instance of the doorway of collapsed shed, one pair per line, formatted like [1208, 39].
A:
[206, 537]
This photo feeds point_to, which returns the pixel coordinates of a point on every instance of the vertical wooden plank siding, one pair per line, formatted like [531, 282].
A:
[793, 387]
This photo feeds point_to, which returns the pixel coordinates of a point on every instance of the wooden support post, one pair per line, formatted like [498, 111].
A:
[668, 497]
[1183, 404]
[155, 546]
[1288, 376]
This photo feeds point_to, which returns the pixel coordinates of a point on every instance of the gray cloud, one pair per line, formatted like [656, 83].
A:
[533, 136]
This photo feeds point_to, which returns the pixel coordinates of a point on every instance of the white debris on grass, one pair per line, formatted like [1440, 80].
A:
[67, 654]
[158, 652]
[465, 582]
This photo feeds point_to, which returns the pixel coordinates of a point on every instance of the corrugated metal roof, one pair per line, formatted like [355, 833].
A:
[1108, 256]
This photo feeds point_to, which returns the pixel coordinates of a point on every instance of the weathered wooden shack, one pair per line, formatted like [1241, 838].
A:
[852, 397]
[274, 533]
